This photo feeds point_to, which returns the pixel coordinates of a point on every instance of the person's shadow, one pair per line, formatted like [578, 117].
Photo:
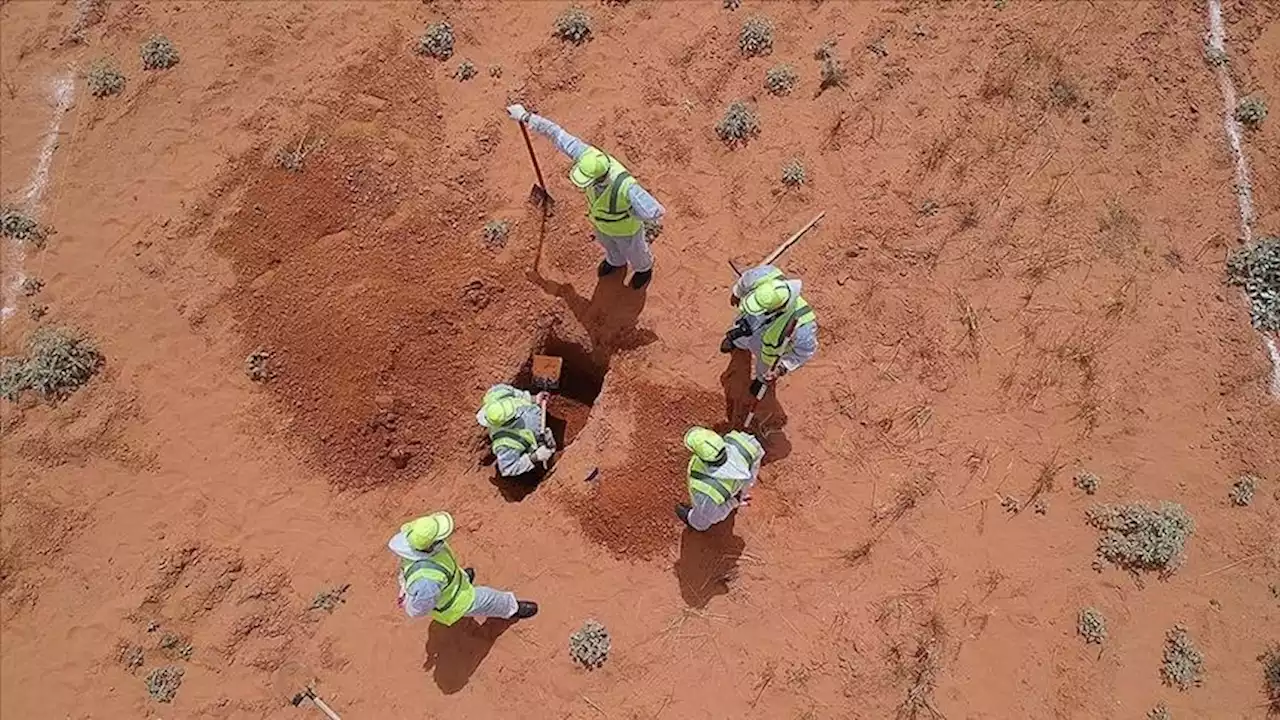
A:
[708, 562]
[456, 651]
[770, 421]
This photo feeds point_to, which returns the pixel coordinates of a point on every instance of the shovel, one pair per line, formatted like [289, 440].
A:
[764, 386]
[546, 377]
[538, 194]
[309, 694]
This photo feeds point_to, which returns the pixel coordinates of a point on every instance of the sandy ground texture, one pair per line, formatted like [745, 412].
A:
[1019, 277]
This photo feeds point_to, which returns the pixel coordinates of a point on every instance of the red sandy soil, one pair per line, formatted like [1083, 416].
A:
[1020, 267]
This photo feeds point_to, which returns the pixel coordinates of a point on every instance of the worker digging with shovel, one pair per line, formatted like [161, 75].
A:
[616, 204]
[721, 472]
[518, 434]
[774, 322]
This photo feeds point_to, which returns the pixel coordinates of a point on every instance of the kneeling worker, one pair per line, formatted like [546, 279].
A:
[432, 582]
[513, 418]
[721, 472]
[767, 304]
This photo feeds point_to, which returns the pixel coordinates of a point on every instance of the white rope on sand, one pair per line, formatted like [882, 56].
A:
[62, 94]
[1217, 43]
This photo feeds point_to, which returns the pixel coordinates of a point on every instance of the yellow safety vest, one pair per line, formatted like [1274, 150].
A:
[610, 209]
[774, 342]
[519, 439]
[701, 480]
[457, 594]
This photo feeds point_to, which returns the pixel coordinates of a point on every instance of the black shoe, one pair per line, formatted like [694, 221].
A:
[682, 512]
[525, 609]
[604, 268]
[471, 573]
[756, 386]
[726, 345]
[640, 279]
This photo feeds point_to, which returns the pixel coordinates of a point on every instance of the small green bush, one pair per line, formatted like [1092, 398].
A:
[1088, 482]
[104, 79]
[1256, 268]
[1091, 625]
[158, 53]
[793, 173]
[58, 361]
[17, 225]
[1251, 111]
[1136, 537]
[780, 79]
[573, 25]
[756, 37]
[437, 41]
[1242, 491]
[495, 233]
[466, 70]
[738, 124]
[1183, 662]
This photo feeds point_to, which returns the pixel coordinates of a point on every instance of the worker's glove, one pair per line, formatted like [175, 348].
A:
[542, 454]
[518, 113]
[734, 300]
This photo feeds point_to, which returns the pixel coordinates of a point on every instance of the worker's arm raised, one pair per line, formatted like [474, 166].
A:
[420, 597]
[565, 143]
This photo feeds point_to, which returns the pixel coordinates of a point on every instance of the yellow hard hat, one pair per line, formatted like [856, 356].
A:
[592, 166]
[427, 530]
[500, 412]
[497, 392]
[767, 297]
[704, 443]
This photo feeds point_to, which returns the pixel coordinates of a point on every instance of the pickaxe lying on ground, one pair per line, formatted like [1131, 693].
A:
[309, 694]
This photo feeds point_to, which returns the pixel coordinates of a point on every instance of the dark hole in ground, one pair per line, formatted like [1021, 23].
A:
[568, 407]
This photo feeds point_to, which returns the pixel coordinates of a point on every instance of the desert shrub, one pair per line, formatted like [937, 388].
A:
[158, 53]
[31, 286]
[1256, 268]
[132, 657]
[1251, 111]
[732, 4]
[1136, 537]
[1242, 491]
[58, 361]
[437, 41]
[1063, 93]
[466, 70]
[652, 229]
[832, 72]
[176, 646]
[495, 233]
[1271, 677]
[1215, 57]
[738, 124]
[17, 225]
[1087, 481]
[1091, 625]
[756, 37]
[793, 174]
[779, 79]
[495, 71]
[1159, 712]
[258, 366]
[1182, 660]
[329, 600]
[104, 79]
[573, 25]
[589, 645]
[163, 683]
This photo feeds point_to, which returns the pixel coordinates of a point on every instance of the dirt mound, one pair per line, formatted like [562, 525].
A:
[359, 275]
[630, 509]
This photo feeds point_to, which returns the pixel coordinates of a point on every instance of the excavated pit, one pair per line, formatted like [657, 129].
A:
[568, 408]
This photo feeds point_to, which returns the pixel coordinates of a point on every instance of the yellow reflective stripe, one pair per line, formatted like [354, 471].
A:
[515, 439]
[615, 188]
[741, 447]
[709, 485]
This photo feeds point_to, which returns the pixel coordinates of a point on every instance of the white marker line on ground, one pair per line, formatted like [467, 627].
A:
[1217, 42]
[62, 94]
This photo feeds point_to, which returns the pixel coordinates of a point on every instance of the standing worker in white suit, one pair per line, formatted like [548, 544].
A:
[616, 204]
[767, 304]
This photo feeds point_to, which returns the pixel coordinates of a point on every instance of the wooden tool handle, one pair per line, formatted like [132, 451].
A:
[792, 240]
[529, 144]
